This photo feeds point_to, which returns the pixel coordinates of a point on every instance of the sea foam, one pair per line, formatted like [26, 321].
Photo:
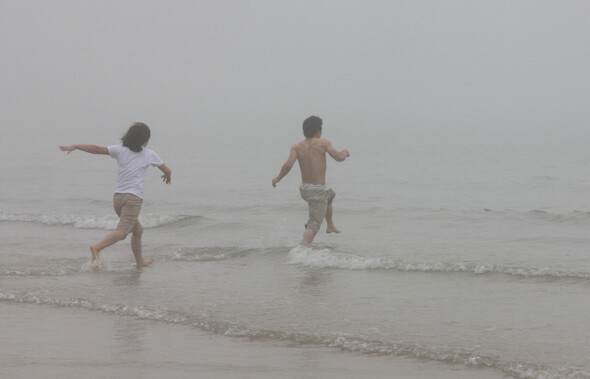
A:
[328, 258]
[92, 222]
[344, 342]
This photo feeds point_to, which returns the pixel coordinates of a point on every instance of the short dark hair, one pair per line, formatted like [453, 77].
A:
[311, 126]
[137, 135]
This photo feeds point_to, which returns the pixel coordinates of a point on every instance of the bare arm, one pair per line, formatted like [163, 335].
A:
[339, 156]
[286, 167]
[92, 149]
[167, 177]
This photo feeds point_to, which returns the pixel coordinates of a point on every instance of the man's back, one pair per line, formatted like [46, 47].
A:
[311, 154]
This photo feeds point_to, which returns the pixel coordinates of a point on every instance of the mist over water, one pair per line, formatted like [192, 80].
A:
[463, 206]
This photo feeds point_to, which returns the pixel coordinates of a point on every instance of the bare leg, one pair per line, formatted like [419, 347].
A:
[331, 227]
[308, 236]
[136, 248]
[108, 240]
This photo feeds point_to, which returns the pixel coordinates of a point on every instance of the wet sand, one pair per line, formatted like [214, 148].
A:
[42, 341]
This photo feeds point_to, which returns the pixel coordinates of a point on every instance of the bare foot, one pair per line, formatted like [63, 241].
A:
[332, 229]
[145, 263]
[94, 254]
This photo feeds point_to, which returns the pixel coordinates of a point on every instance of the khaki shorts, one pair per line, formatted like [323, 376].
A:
[127, 207]
[318, 197]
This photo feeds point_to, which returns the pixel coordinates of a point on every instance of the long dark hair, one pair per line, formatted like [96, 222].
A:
[136, 136]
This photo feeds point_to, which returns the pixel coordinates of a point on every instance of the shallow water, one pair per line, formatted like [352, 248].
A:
[483, 272]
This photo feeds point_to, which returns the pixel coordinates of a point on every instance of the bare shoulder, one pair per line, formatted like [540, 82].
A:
[325, 143]
[311, 145]
[299, 145]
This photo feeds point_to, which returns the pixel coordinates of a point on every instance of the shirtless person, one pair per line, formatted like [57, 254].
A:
[311, 153]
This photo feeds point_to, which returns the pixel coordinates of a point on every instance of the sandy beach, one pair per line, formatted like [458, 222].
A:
[42, 341]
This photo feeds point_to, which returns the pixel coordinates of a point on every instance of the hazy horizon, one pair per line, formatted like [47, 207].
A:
[401, 71]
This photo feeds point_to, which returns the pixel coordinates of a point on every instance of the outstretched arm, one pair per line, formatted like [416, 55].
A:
[286, 167]
[167, 177]
[92, 149]
[338, 156]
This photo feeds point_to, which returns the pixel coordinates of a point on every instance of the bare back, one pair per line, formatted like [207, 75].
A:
[311, 154]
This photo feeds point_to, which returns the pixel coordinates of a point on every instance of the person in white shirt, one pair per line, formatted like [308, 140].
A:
[133, 158]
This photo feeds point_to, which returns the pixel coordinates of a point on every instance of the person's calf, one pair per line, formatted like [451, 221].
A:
[308, 236]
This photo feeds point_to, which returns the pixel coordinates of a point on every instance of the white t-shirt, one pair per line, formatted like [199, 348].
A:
[132, 168]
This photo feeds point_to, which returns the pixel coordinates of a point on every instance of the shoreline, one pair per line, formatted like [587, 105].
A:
[65, 342]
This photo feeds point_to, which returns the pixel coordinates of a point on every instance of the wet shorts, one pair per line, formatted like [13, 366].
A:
[127, 207]
[317, 196]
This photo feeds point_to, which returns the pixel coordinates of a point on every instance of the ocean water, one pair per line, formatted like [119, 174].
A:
[455, 260]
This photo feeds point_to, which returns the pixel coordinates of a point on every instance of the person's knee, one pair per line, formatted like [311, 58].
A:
[313, 225]
[331, 196]
[121, 235]
[138, 232]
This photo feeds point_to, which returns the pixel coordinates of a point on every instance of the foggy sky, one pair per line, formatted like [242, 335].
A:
[393, 69]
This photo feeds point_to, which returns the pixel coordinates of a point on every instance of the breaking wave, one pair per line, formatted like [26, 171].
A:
[327, 258]
[344, 342]
[208, 254]
[93, 222]
[218, 253]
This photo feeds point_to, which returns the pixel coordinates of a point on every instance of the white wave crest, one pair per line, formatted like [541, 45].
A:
[206, 254]
[90, 222]
[327, 258]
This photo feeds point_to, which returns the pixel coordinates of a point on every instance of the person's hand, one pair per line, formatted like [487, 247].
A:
[346, 153]
[68, 149]
[166, 179]
[275, 181]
